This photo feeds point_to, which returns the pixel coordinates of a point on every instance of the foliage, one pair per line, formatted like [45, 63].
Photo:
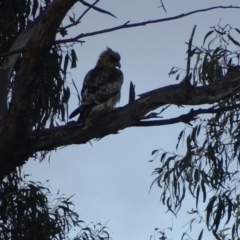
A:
[208, 170]
[51, 98]
[29, 211]
[205, 171]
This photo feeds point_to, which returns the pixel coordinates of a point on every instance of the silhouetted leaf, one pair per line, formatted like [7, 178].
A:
[197, 196]
[203, 190]
[66, 60]
[173, 71]
[34, 7]
[154, 151]
[200, 235]
[73, 58]
[71, 19]
[215, 235]
[230, 208]
[233, 40]
[177, 77]
[219, 212]
[163, 156]
[237, 30]
[209, 210]
[233, 231]
[179, 137]
[207, 35]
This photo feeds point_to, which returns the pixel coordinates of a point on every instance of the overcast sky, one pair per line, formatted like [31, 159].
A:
[111, 178]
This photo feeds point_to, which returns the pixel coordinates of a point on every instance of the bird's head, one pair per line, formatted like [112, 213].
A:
[109, 58]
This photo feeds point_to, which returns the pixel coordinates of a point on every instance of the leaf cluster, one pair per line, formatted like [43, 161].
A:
[214, 57]
[208, 170]
[27, 211]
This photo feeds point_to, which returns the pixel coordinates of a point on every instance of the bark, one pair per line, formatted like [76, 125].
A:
[131, 114]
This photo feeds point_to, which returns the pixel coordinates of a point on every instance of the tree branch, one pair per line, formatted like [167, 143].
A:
[127, 25]
[184, 118]
[132, 113]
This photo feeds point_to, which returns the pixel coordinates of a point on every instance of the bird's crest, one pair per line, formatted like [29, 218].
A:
[109, 58]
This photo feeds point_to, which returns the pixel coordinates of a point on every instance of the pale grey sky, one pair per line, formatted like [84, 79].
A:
[111, 179]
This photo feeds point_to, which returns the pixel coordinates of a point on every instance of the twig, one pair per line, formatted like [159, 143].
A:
[126, 25]
[81, 16]
[89, 7]
[185, 118]
[163, 6]
[96, 8]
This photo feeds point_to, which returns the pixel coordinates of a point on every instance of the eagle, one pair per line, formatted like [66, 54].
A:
[101, 86]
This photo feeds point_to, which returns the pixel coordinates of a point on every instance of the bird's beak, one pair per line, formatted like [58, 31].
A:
[119, 65]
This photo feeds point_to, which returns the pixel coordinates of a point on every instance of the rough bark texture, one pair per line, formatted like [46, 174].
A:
[14, 138]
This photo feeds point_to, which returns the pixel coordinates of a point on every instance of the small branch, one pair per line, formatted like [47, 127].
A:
[127, 25]
[185, 118]
[96, 8]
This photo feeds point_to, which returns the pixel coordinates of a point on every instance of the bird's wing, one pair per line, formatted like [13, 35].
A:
[101, 84]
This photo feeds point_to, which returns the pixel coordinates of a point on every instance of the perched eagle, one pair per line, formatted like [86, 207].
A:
[101, 86]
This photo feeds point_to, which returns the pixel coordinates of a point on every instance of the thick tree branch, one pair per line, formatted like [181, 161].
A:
[127, 25]
[131, 114]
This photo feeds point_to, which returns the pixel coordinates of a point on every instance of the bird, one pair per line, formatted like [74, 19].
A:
[101, 86]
